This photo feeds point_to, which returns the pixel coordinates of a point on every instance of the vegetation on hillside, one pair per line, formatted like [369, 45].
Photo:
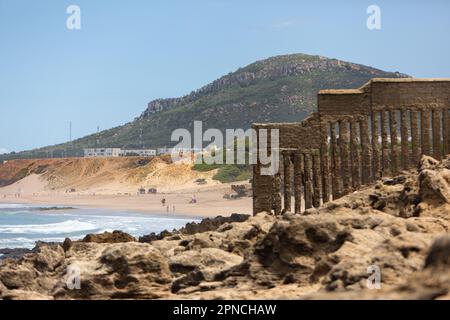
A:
[229, 172]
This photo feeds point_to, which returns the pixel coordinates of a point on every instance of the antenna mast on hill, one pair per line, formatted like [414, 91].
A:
[97, 140]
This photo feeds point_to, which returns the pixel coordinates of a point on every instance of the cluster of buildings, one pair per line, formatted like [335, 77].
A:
[118, 152]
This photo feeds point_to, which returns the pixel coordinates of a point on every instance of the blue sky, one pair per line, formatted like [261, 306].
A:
[130, 52]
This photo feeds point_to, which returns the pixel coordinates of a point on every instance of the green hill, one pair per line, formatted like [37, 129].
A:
[277, 89]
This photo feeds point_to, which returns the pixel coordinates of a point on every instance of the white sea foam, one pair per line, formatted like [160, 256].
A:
[12, 240]
[12, 205]
[17, 243]
[29, 243]
[28, 226]
[52, 228]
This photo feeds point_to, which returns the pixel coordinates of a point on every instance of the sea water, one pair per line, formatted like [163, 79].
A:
[22, 225]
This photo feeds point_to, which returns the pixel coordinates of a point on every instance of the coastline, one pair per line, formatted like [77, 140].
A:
[210, 202]
[20, 233]
[33, 191]
[114, 183]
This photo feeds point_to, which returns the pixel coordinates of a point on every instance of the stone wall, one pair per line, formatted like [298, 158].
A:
[348, 141]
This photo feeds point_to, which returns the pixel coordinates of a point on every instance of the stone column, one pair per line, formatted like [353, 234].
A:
[366, 150]
[298, 181]
[425, 134]
[376, 146]
[437, 144]
[276, 194]
[355, 155]
[394, 141]
[317, 180]
[287, 180]
[325, 172]
[335, 163]
[345, 156]
[308, 181]
[446, 131]
[262, 191]
[262, 186]
[415, 136]
[255, 193]
[385, 142]
[404, 132]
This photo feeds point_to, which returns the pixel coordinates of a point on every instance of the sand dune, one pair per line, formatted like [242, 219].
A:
[100, 175]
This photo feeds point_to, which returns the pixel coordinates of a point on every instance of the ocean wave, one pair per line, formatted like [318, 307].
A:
[52, 228]
[20, 242]
[12, 206]
[21, 226]
[28, 243]
[12, 240]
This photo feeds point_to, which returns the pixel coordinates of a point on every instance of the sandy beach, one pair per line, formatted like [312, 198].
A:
[210, 202]
[113, 184]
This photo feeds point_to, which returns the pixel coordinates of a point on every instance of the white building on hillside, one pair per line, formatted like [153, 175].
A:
[139, 152]
[102, 152]
[117, 152]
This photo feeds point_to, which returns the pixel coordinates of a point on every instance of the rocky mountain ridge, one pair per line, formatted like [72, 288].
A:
[272, 68]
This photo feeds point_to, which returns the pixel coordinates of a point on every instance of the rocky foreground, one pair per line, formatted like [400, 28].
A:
[399, 225]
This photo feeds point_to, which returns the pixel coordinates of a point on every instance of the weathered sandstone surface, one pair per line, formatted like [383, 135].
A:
[399, 225]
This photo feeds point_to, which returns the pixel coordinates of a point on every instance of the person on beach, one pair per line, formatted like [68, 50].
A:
[173, 208]
[163, 201]
[167, 209]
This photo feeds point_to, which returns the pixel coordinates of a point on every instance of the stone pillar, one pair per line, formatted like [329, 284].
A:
[308, 181]
[415, 136]
[404, 132]
[376, 146]
[394, 141]
[262, 187]
[255, 192]
[446, 131]
[366, 149]
[344, 142]
[325, 172]
[317, 180]
[355, 155]
[262, 191]
[437, 144]
[335, 163]
[287, 180]
[385, 142]
[425, 134]
[276, 194]
[298, 181]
